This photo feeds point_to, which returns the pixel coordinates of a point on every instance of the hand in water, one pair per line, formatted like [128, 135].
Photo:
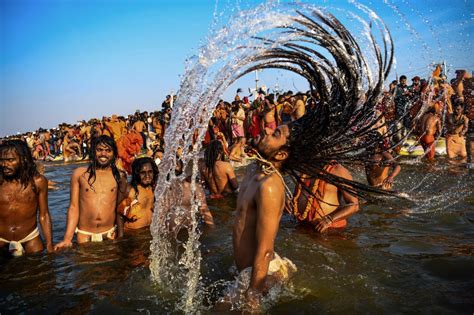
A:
[323, 225]
[63, 244]
[387, 183]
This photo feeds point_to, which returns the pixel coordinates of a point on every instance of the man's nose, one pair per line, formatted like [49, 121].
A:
[268, 131]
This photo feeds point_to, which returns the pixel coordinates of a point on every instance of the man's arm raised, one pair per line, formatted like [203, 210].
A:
[44, 216]
[73, 211]
[270, 200]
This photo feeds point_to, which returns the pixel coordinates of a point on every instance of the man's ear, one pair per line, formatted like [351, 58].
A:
[281, 155]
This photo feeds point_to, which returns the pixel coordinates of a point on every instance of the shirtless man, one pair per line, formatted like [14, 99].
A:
[137, 207]
[23, 191]
[94, 196]
[457, 126]
[269, 111]
[381, 169]
[260, 206]
[218, 175]
[237, 151]
[299, 107]
[329, 206]
[428, 127]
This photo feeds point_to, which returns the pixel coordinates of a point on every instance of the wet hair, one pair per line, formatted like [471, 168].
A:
[347, 111]
[93, 165]
[213, 154]
[136, 167]
[27, 170]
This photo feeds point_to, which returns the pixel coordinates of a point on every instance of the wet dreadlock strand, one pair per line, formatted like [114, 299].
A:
[346, 112]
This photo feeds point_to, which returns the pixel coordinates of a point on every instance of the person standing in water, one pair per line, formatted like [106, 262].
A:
[137, 207]
[95, 193]
[428, 127]
[381, 168]
[218, 174]
[23, 195]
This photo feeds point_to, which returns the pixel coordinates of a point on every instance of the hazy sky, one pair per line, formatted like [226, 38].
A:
[63, 61]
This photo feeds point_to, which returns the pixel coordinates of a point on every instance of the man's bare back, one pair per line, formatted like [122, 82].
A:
[221, 180]
[430, 124]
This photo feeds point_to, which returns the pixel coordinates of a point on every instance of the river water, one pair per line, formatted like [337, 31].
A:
[392, 258]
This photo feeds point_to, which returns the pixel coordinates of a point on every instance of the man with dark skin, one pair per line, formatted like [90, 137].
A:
[218, 174]
[137, 207]
[381, 168]
[260, 206]
[457, 126]
[23, 193]
[95, 193]
[429, 125]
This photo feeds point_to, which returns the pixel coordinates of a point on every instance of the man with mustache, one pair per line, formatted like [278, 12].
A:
[23, 191]
[95, 192]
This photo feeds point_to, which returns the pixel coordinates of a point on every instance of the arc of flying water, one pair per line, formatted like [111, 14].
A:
[291, 41]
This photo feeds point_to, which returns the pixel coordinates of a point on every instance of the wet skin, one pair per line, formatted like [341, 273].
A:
[260, 206]
[19, 206]
[92, 207]
[146, 199]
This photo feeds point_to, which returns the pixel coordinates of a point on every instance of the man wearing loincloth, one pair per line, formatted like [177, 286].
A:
[260, 206]
[218, 174]
[23, 195]
[95, 192]
[429, 125]
[457, 126]
[137, 207]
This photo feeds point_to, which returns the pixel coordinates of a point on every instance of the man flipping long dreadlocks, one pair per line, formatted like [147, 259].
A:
[311, 148]
[95, 192]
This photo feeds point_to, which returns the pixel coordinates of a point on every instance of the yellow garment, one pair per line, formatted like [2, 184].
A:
[15, 247]
[98, 237]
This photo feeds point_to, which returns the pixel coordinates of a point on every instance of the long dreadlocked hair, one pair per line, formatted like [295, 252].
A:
[137, 165]
[346, 114]
[27, 170]
[93, 165]
[212, 154]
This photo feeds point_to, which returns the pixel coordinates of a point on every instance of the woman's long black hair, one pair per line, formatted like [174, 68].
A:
[93, 165]
[27, 170]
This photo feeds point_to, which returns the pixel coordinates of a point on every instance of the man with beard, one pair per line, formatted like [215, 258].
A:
[137, 207]
[23, 191]
[95, 192]
[260, 206]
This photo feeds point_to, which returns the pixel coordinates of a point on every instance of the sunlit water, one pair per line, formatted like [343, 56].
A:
[399, 257]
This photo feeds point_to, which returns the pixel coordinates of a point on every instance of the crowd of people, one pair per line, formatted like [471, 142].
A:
[104, 203]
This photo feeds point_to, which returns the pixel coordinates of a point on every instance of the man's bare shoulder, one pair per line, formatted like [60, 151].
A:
[341, 171]
[41, 181]
[79, 171]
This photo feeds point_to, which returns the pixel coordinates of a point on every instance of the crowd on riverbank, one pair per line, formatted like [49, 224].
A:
[238, 121]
